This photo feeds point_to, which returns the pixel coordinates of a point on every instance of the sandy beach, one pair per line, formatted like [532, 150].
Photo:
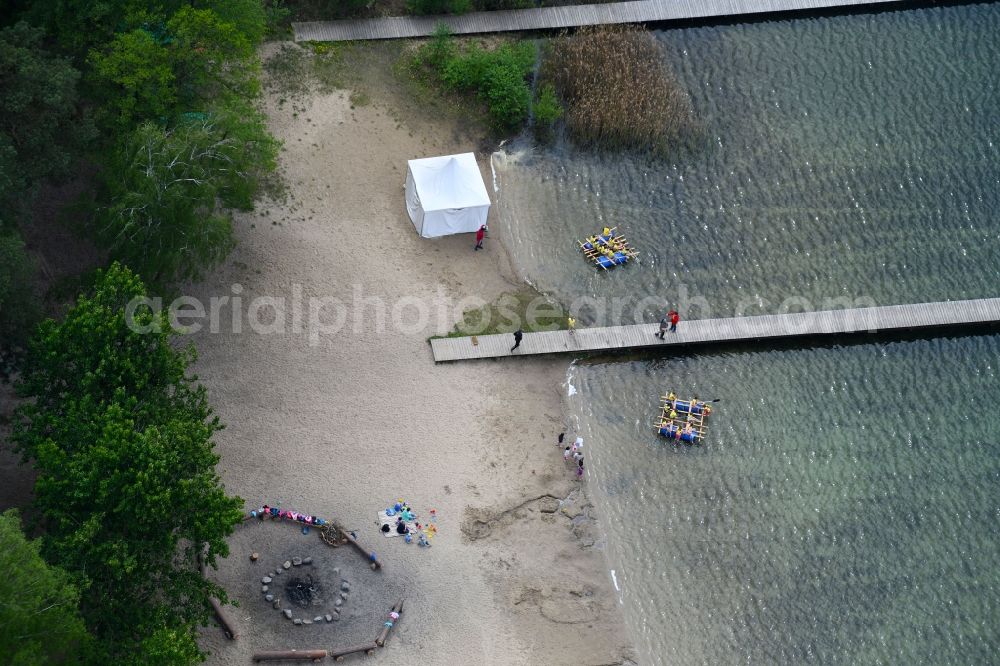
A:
[342, 424]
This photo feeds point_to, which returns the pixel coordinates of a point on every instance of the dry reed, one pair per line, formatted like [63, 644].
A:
[617, 89]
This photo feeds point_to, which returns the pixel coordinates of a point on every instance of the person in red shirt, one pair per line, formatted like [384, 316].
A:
[479, 237]
[674, 318]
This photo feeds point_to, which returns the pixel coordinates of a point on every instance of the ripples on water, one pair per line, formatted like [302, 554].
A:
[845, 507]
[850, 157]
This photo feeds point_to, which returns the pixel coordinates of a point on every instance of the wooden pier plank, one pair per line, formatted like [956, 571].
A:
[888, 318]
[548, 18]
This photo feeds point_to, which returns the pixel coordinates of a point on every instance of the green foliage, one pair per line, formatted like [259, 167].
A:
[212, 58]
[81, 25]
[493, 5]
[547, 107]
[136, 74]
[277, 17]
[165, 187]
[498, 77]
[424, 7]
[19, 309]
[38, 100]
[121, 439]
[39, 614]
[158, 74]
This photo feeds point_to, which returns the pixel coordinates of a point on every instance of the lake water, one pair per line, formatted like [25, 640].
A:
[845, 507]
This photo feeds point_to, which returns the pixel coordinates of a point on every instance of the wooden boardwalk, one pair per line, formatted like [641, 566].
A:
[890, 318]
[548, 18]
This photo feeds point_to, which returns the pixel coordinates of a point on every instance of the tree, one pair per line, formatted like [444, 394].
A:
[38, 98]
[165, 185]
[39, 614]
[136, 77]
[121, 439]
[81, 25]
[193, 60]
[212, 58]
[18, 307]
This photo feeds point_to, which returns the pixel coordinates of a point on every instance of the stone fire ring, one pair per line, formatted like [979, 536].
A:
[271, 597]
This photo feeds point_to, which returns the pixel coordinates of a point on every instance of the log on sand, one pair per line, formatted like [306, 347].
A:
[290, 655]
[367, 648]
[383, 635]
[369, 554]
[227, 625]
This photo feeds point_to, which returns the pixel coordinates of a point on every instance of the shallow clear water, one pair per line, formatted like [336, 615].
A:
[851, 157]
[845, 508]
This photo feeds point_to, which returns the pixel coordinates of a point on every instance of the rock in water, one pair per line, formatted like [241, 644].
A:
[297, 622]
[268, 597]
[328, 617]
[263, 588]
[338, 602]
[307, 621]
[307, 560]
[287, 613]
[254, 557]
[296, 561]
[345, 586]
[287, 565]
[266, 580]
[318, 619]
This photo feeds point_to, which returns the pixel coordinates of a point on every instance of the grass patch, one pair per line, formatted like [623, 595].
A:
[617, 90]
[359, 98]
[328, 68]
[288, 70]
[526, 309]
[295, 71]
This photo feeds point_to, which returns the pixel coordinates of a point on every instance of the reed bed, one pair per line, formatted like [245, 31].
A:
[617, 89]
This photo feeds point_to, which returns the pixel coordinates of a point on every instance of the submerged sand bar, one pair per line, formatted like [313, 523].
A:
[882, 319]
[547, 18]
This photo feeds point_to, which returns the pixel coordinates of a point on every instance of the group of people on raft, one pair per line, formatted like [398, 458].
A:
[695, 412]
[608, 243]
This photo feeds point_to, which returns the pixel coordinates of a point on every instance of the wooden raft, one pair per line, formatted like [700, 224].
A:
[613, 241]
[678, 414]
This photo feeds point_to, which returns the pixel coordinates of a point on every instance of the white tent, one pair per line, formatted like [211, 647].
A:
[446, 195]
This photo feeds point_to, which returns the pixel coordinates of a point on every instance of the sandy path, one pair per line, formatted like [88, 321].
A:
[342, 427]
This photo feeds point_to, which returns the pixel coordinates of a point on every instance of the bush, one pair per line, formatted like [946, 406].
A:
[617, 89]
[498, 77]
[424, 7]
[547, 107]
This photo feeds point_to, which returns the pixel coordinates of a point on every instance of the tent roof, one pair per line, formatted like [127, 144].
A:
[451, 181]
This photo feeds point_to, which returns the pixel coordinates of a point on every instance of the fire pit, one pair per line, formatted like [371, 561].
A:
[304, 594]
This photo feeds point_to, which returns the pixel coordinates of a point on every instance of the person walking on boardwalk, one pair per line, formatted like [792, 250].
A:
[674, 319]
[663, 327]
[518, 334]
[570, 324]
[480, 234]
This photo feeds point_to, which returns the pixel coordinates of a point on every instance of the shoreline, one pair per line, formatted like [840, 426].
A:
[342, 427]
